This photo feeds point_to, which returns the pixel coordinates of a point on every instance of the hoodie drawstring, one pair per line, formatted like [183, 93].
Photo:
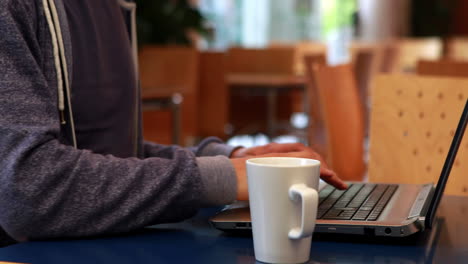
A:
[60, 61]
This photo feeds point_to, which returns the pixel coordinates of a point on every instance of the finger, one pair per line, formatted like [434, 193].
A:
[265, 149]
[293, 147]
[331, 178]
[282, 148]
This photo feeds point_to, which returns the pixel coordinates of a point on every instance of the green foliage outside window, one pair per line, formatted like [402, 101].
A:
[337, 14]
[168, 22]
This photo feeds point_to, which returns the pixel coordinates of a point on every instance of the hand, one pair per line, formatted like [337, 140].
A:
[326, 174]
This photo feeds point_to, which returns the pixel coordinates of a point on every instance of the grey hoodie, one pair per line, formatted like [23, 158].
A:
[50, 189]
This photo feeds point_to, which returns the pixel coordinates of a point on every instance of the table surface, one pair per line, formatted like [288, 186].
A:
[194, 241]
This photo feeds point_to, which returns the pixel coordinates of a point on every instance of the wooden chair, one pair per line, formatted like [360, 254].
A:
[273, 60]
[444, 67]
[410, 50]
[308, 48]
[316, 129]
[384, 56]
[268, 62]
[301, 50]
[364, 70]
[169, 73]
[343, 115]
[388, 58]
[413, 121]
[213, 95]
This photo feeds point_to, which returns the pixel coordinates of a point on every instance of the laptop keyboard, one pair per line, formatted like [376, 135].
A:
[361, 201]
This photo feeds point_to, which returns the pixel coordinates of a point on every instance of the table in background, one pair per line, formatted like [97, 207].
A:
[269, 85]
[194, 241]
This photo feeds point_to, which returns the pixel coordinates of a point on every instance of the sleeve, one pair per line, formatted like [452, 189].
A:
[210, 146]
[50, 190]
[218, 177]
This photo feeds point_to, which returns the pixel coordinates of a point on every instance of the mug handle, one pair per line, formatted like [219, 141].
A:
[309, 198]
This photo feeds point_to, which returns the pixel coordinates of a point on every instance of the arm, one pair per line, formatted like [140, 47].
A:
[48, 189]
[210, 146]
[218, 176]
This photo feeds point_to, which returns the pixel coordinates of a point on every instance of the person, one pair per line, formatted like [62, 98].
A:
[73, 161]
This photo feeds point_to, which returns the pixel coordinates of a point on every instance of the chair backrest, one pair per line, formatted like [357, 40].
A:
[443, 68]
[413, 120]
[262, 62]
[343, 116]
[165, 71]
[304, 49]
[168, 69]
[316, 130]
[410, 50]
[213, 95]
[364, 69]
[384, 56]
[274, 60]
[301, 50]
[388, 58]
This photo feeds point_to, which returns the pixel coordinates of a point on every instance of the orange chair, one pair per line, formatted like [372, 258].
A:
[316, 130]
[384, 55]
[168, 73]
[213, 95]
[267, 65]
[388, 58]
[363, 70]
[443, 68]
[344, 122]
[274, 60]
[303, 49]
[413, 121]
[364, 63]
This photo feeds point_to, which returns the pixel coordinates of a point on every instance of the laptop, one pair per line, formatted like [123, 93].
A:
[371, 209]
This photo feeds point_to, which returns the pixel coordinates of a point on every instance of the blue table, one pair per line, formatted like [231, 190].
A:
[194, 241]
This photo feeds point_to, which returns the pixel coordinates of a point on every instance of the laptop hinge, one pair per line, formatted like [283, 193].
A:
[421, 202]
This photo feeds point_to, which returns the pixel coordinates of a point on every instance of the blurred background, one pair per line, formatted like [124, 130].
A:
[257, 71]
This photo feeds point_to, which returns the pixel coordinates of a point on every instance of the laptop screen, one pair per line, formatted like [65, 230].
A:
[457, 138]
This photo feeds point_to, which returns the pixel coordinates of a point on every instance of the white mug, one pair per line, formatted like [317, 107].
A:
[283, 207]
